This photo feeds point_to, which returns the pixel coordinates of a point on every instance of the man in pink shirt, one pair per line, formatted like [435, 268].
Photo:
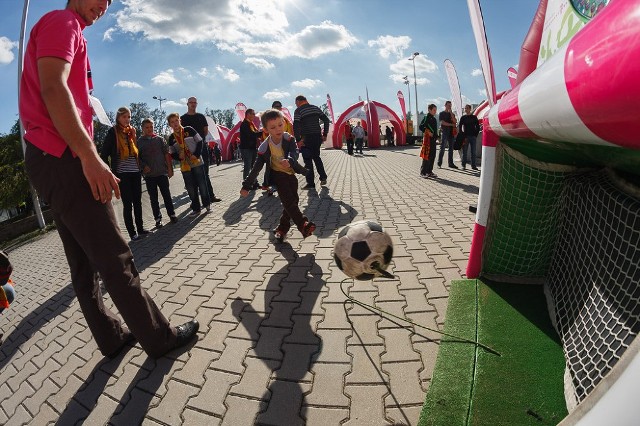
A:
[64, 166]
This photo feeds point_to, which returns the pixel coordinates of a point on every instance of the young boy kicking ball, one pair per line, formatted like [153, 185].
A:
[278, 152]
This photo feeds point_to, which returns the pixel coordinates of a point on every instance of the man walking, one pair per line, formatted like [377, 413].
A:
[358, 134]
[470, 127]
[199, 122]
[63, 165]
[157, 168]
[306, 126]
[446, 138]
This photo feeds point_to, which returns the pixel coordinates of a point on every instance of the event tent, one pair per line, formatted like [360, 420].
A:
[370, 113]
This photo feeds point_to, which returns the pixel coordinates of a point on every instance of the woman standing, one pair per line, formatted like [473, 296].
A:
[249, 136]
[120, 151]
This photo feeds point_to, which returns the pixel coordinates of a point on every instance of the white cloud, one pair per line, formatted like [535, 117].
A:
[203, 72]
[128, 84]
[388, 45]
[259, 63]
[226, 25]
[6, 50]
[165, 78]
[276, 94]
[405, 67]
[307, 83]
[477, 72]
[174, 104]
[107, 36]
[483, 93]
[227, 73]
[399, 78]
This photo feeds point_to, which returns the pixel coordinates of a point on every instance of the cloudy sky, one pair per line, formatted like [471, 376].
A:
[256, 51]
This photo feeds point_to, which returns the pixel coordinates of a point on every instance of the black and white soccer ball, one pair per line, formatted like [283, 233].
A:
[363, 250]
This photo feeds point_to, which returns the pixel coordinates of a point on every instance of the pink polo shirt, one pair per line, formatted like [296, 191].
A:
[57, 34]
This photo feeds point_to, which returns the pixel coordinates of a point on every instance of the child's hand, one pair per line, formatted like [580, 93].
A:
[244, 192]
[194, 159]
[284, 163]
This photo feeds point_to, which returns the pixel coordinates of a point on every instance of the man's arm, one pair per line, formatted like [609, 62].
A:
[53, 74]
[325, 120]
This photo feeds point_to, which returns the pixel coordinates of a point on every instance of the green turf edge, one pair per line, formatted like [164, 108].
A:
[524, 386]
[449, 394]
[512, 319]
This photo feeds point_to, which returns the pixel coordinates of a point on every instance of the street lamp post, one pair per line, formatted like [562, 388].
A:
[160, 99]
[415, 84]
[406, 81]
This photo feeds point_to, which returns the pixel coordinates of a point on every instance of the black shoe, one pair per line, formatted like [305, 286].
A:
[309, 186]
[439, 165]
[186, 332]
[474, 168]
[453, 166]
[279, 235]
[174, 219]
[159, 223]
[143, 232]
[216, 200]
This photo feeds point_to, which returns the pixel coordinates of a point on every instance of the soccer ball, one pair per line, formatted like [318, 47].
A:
[363, 250]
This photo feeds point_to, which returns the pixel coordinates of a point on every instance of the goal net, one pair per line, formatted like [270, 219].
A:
[577, 232]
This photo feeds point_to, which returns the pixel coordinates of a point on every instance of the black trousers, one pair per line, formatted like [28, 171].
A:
[93, 244]
[311, 155]
[427, 165]
[131, 192]
[288, 191]
[153, 184]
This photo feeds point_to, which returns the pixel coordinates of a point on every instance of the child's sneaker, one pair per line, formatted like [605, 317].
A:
[307, 229]
[279, 235]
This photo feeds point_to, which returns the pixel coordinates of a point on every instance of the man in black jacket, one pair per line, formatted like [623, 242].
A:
[306, 126]
[469, 127]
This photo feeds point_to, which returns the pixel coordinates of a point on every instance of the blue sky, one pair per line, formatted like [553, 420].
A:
[256, 51]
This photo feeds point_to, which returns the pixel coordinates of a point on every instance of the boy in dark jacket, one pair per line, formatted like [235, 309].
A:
[279, 153]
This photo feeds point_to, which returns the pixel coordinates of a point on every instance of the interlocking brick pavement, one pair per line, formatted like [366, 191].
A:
[278, 343]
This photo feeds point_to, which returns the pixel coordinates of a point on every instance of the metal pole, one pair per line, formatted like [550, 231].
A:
[415, 86]
[23, 30]
[406, 81]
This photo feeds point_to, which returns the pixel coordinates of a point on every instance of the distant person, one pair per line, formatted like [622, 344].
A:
[470, 127]
[120, 150]
[157, 168]
[358, 134]
[185, 144]
[7, 291]
[199, 122]
[306, 125]
[429, 126]
[278, 152]
[389, 135]
[446, 137]
[348, 135]
[249, 138]
[64, 166]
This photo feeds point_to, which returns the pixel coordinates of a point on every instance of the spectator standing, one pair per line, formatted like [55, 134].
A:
[429, 127]
[120, 150]
[157, 168]
[358, 134]
[470, 127]
[186, 145]
[249, 137]
[306, 125]
[199, 122]
[446, 137]
[64, 166]
[348, 134]
[389, 134]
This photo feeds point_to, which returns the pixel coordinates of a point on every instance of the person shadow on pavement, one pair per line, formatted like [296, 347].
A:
[290, 297]
[328, 213]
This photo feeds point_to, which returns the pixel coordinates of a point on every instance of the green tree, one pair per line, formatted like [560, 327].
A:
[325, 108]
[224, 117]
[14, 184]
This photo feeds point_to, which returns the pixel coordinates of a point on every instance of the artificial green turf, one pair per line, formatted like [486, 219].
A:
[522, 386]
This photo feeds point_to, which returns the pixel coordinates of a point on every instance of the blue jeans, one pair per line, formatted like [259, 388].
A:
[161, 182]
[194, 181]
[446, 139]
[248, 159]
[471, 142]
[10, 292]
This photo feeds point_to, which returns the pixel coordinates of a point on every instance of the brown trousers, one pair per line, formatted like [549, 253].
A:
[93, 244]
[288, 190]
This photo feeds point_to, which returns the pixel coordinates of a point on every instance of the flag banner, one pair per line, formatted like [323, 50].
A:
[330, 107]
[454, 85]
[287, 114]
[477, 23]
[402, 106]
[240, 110]
[512, 73]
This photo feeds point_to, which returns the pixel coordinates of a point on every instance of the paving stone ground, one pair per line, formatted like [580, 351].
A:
[279, 344]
